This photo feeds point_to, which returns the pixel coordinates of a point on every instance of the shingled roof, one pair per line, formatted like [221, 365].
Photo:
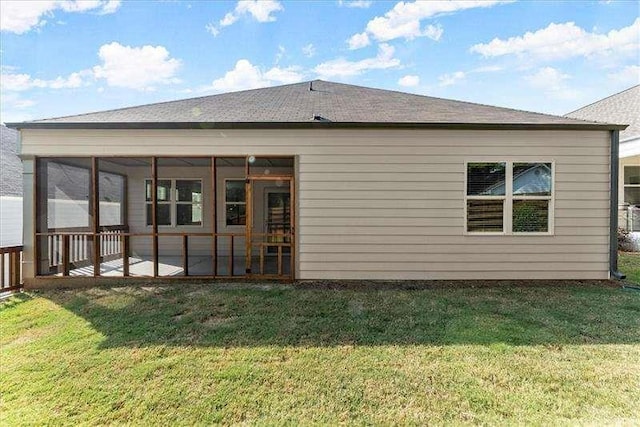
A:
[623, 107]
[312, 104]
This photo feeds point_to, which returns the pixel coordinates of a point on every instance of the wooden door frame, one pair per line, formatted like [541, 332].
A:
[250, 226]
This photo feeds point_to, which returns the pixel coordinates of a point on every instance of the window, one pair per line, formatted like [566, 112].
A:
[179, 202]
[485, 197]
[188, 202]
[632, 185]
[509, 197]
[235, 203]
[632, 196]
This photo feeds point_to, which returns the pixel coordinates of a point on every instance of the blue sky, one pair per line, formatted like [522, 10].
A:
[63, 57]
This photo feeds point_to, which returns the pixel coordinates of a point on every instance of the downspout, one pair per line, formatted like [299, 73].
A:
[613, 207]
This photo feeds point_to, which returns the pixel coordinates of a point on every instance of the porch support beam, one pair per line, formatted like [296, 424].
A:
[95, 215]
[154, 212]
[214, 215]
[249, 224]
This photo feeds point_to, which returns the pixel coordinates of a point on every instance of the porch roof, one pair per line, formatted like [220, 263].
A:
[314, 104]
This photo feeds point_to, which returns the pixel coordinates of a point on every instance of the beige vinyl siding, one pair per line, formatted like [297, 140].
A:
[389, 204]
[167, 246]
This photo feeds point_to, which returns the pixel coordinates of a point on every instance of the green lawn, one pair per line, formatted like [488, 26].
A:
[200, 354]
[629, 264]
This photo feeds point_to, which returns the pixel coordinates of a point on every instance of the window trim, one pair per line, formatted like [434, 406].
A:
[173, 203]
[507, 221]
[224, 196]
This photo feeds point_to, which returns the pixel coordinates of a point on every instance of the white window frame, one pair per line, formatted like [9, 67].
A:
[173, 203]
[243, 180]
[507, 220]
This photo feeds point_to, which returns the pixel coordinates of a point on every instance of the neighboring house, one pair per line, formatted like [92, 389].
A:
[319, 180]
[10, 189]
[623, 107]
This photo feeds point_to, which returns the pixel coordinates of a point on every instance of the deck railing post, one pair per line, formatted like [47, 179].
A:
[65, 255]
[231, 257]
[11, 267]
[2, 271]
[124, 242]
[185, 254]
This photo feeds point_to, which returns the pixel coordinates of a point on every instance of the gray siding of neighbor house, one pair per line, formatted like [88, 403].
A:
[389, 203]
[10, 189]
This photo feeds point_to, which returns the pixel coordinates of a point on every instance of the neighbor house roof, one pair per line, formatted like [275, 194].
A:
[312, 104]
[623, 107]
[10, 163]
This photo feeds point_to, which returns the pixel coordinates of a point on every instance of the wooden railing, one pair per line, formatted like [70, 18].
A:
[71, 250]
[65, 246]
[10, 268]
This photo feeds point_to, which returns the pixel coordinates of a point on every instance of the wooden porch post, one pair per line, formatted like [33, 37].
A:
[214, 214]
[292, 227]
[248, 216]
[95, 215]
[154, 212]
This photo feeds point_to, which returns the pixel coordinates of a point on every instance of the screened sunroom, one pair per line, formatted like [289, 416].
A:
[164, 216]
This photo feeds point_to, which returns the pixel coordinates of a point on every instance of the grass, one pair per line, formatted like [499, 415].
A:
[202, 354]
[629, 264]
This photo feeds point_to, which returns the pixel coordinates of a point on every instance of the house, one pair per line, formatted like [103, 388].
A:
[10, 189]
[318, 180]
[623, 107]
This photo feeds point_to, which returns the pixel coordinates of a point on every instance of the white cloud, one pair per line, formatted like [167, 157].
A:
[140, 68]
[487, 69]
[409, 81]
[15, 82]
[451, 79]
[567, 40]
[405, 20]
[309, 50]
[434, 32]
[360, 4]
[245, 75]
[284, 75]
[629, 75]
[546, 77]
[344, 68]
[358, 41]
[260, 10]
[21, 16]
[551, 82]
[229, 19]
[211, 29]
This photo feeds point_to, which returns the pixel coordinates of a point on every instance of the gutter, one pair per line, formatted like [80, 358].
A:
[613, 207]
[314, 125]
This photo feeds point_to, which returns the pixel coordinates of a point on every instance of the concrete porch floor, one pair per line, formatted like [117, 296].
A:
[172, 266]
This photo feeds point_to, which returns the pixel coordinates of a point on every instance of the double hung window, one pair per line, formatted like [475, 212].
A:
[179, 202]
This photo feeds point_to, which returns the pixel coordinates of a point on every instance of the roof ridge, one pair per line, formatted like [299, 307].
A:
[601, 99]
